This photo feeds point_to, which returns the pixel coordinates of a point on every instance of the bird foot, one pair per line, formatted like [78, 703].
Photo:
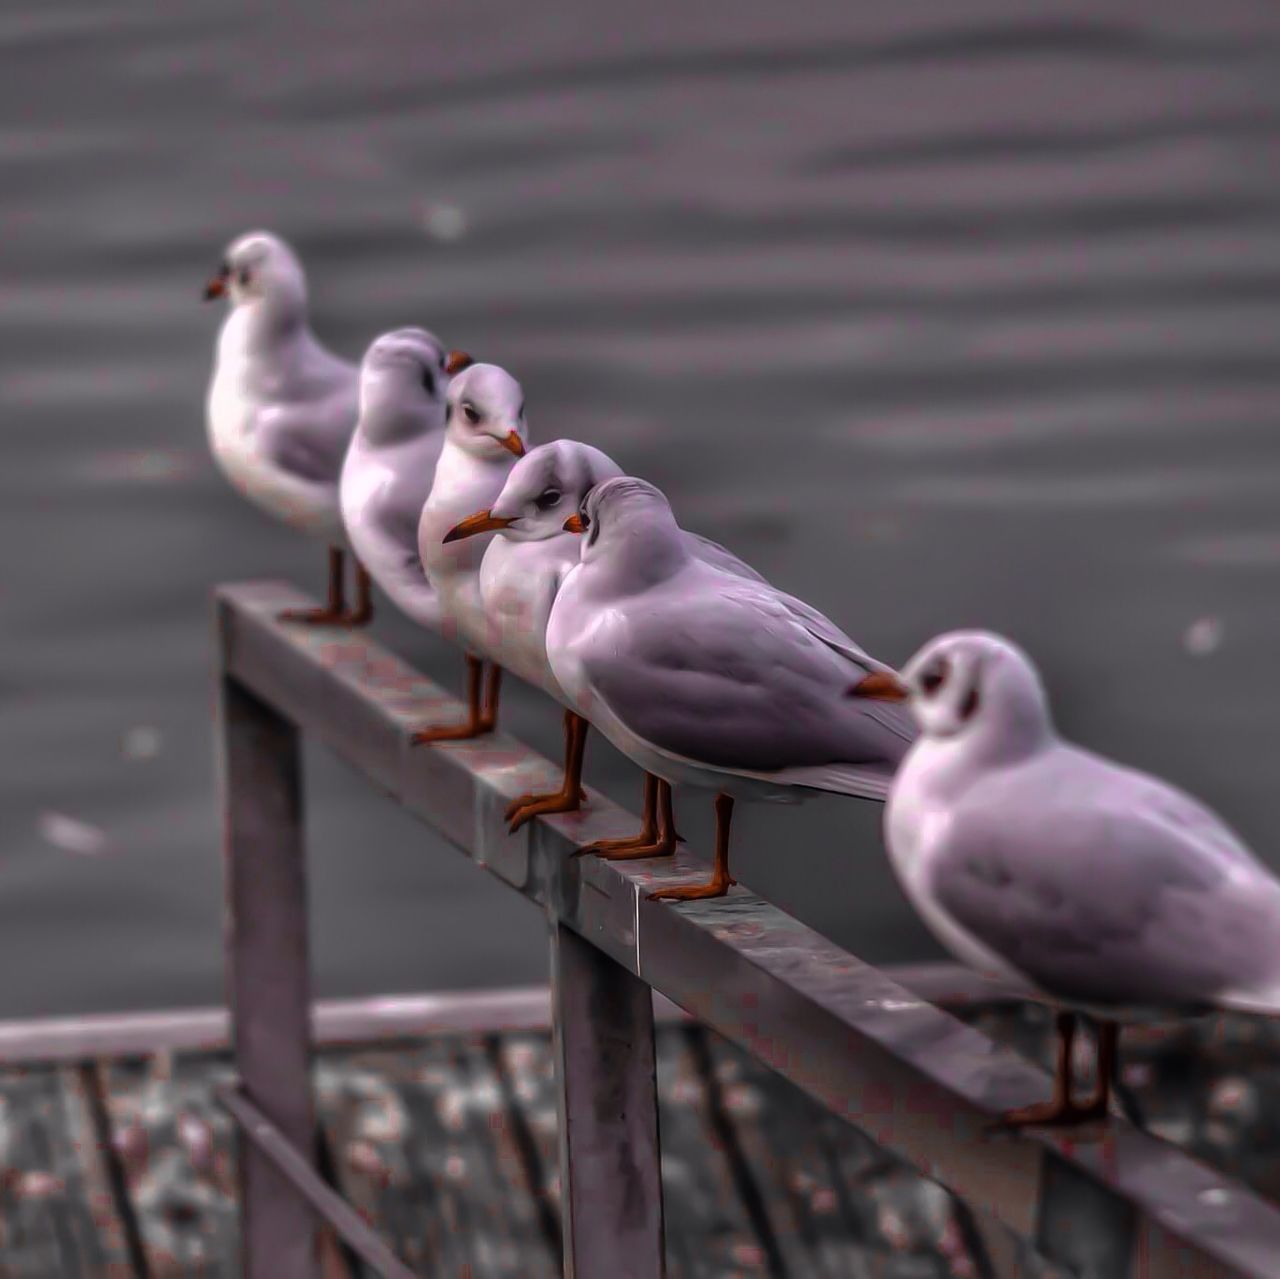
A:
[716, 886]
[526, 807]
[453, 732]
[319, 617]
[626, 850]
[1053, 1114]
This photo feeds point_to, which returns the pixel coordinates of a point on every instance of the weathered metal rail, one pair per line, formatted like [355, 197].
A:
[1106, 1203]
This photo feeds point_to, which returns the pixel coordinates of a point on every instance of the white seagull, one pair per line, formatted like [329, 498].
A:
[1105, 889]
[485, 432]
[391, 462]
[709, 679]
[519, 577]
[281, 407]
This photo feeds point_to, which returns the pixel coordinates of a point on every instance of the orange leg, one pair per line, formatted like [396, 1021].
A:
[570, 797]
[362, 614]
[334, 612]
[481, 715]
[657, 837]
[720, 881]
[1062, 1110]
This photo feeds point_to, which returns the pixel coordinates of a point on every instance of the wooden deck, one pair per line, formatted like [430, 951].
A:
[448, 1145]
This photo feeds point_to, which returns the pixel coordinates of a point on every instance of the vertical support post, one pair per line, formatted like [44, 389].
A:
[268, 984]
[610, 1183]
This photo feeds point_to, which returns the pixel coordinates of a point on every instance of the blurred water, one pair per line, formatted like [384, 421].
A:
[941, 315]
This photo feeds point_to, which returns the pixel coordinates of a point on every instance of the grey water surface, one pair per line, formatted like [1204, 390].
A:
[941, 314]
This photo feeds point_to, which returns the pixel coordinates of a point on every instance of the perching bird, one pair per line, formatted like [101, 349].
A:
[484, 433]
[1107, 890]
[708, 679]
[519, 577]
[391, 463]
[281, 407]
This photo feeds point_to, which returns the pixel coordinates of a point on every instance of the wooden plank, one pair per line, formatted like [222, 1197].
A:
[57, 1216]
[709, 1231]
[775, 1130]
[527, 1065]
[422, 1146]
[363, 1244]
[178, 1150]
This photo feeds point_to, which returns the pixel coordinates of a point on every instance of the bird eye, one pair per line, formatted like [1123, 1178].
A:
[245, 277]
[548, 500]
[428, 381]
[971, 704]
[470, 412]
[934, 678]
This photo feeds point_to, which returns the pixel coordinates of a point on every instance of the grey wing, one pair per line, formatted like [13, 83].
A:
[823, 628]
[308, 440]
[894, 717]
[818, 624]
[1104, 892]
[728, 676]
[717, 556]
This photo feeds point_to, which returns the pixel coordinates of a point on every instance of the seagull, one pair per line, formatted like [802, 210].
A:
[707, 678]
[391, 462]
[522, 570]
[484, 433]
[281, 408]
[1106, 890]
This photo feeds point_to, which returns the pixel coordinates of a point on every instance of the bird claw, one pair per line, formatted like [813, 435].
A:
[523, 801]
[1051, 1114]
[452, 733]
[527, 807]
[318, 617]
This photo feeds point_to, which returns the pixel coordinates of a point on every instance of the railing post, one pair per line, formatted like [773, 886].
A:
[610, 1183]
[267, 970]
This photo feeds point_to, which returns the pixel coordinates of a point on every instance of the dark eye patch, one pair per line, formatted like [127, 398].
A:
[971, 703]
[470, 412]
[428, 381]
[448, 412]
[934, 676]
[245, 277]
[546, 501]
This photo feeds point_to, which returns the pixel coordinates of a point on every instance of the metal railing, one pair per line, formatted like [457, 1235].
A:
[1107, 1203]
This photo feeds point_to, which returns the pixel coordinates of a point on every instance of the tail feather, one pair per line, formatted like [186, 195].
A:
[897, 719]
[1264, 1002]
[862, 781]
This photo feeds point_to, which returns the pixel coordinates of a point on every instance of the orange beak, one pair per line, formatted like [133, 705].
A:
[513, 443]
[456, 361]
[880, 686]
[217, 286]
[480, 522]
[574, 524]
